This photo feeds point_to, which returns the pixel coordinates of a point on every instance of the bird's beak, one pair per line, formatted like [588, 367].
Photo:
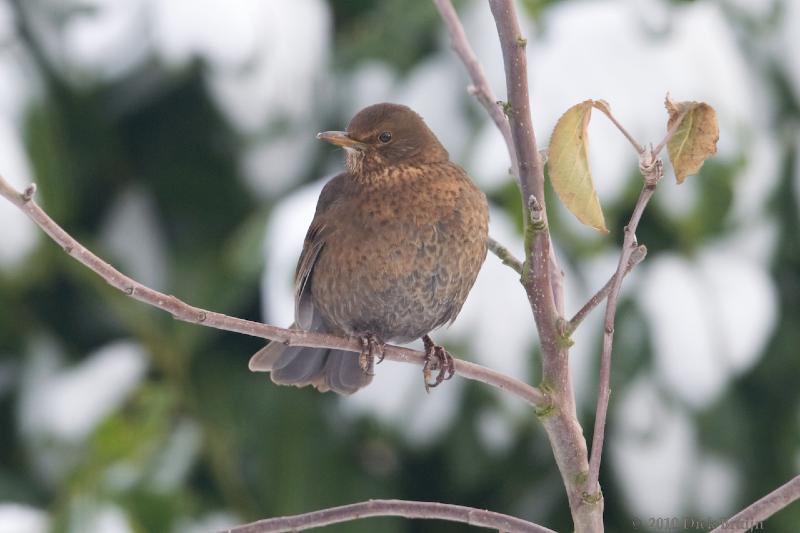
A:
[339, 138]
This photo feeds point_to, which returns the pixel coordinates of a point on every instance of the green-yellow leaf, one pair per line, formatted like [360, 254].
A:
[695, 138]
[568, 162]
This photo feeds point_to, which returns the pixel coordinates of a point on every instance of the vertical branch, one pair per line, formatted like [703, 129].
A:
[536, 272]
[653, 170]
[482, 91]
[539, 271]
[513, 44]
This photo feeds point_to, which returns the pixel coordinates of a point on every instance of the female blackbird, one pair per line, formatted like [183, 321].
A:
[395, 246]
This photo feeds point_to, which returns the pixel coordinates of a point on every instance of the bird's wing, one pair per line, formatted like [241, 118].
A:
[303, 304]
[313, 245]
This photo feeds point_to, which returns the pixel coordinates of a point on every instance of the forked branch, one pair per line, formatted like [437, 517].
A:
[652, 170]
[636, 257]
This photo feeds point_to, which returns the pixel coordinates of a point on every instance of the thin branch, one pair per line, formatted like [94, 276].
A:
[637, 256]
[652, 170]
[505, 255]
[750, 517]
[670, 132]
[407, 509]
[606, 109]
[481, 89]
[513, 44]
[536, 277]
[195, 315]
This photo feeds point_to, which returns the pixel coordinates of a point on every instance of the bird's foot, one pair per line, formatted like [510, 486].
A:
[371, 347]
[436, 357]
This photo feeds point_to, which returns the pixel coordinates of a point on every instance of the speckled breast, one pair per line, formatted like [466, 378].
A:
[403, 255]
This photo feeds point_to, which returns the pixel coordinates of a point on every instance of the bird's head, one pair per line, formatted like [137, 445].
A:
[386, 135]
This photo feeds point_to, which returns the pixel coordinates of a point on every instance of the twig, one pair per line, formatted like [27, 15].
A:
[652, 170]
[606, 109]
[187, 313]
[480, 87]
[407, 509]
[505, 255]
[637, 256]
[675, 125]
[749, 518]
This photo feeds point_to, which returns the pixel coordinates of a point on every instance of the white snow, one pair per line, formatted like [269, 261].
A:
[106, 42]
[710, 321]
[67, 403]
[19, 234]
[652, 450]
[716, 486]
[18, 518]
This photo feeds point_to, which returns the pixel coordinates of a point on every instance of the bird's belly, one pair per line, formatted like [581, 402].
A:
[399, 283]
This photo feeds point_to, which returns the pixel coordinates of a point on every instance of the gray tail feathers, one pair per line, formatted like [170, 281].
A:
[324, 368]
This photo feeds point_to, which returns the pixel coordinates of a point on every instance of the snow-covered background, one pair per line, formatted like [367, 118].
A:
[702, 311]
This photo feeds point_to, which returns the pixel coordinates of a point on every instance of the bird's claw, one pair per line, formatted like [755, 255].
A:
[370, 345]
[436, 357]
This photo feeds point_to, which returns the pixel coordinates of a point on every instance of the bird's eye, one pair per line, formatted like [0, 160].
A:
[385, 137]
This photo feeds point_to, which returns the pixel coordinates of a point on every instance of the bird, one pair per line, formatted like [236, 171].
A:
[395, 245]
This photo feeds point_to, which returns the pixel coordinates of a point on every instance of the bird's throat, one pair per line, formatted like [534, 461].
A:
[354, 161]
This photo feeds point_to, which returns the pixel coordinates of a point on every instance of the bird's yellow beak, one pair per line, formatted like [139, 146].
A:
[339, 138]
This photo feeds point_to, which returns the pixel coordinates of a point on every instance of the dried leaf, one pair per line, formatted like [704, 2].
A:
[569, 166]
[695, 138]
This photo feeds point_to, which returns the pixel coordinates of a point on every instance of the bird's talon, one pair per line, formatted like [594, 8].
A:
[426, 377]
[363, 357]
[366, 359]
[436, 358]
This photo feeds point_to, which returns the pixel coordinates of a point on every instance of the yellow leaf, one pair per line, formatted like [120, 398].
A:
[695, 138]
[568, 162]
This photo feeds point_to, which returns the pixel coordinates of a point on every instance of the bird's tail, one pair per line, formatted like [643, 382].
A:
[324, 368]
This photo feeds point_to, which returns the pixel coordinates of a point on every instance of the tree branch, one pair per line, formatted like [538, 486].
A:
[652, 171]
[542, 278]
[481, 89]
[637, 256]
[195, 315]
[407, 509]
[748, 519]
[505, 255]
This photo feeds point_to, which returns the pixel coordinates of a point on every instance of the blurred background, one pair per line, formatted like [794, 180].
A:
[176, 139]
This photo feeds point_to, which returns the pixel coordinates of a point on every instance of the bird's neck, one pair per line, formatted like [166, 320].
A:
[387, 177]
[366, 169]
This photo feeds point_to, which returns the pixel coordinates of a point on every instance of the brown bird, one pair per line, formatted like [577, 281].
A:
[396, 243]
